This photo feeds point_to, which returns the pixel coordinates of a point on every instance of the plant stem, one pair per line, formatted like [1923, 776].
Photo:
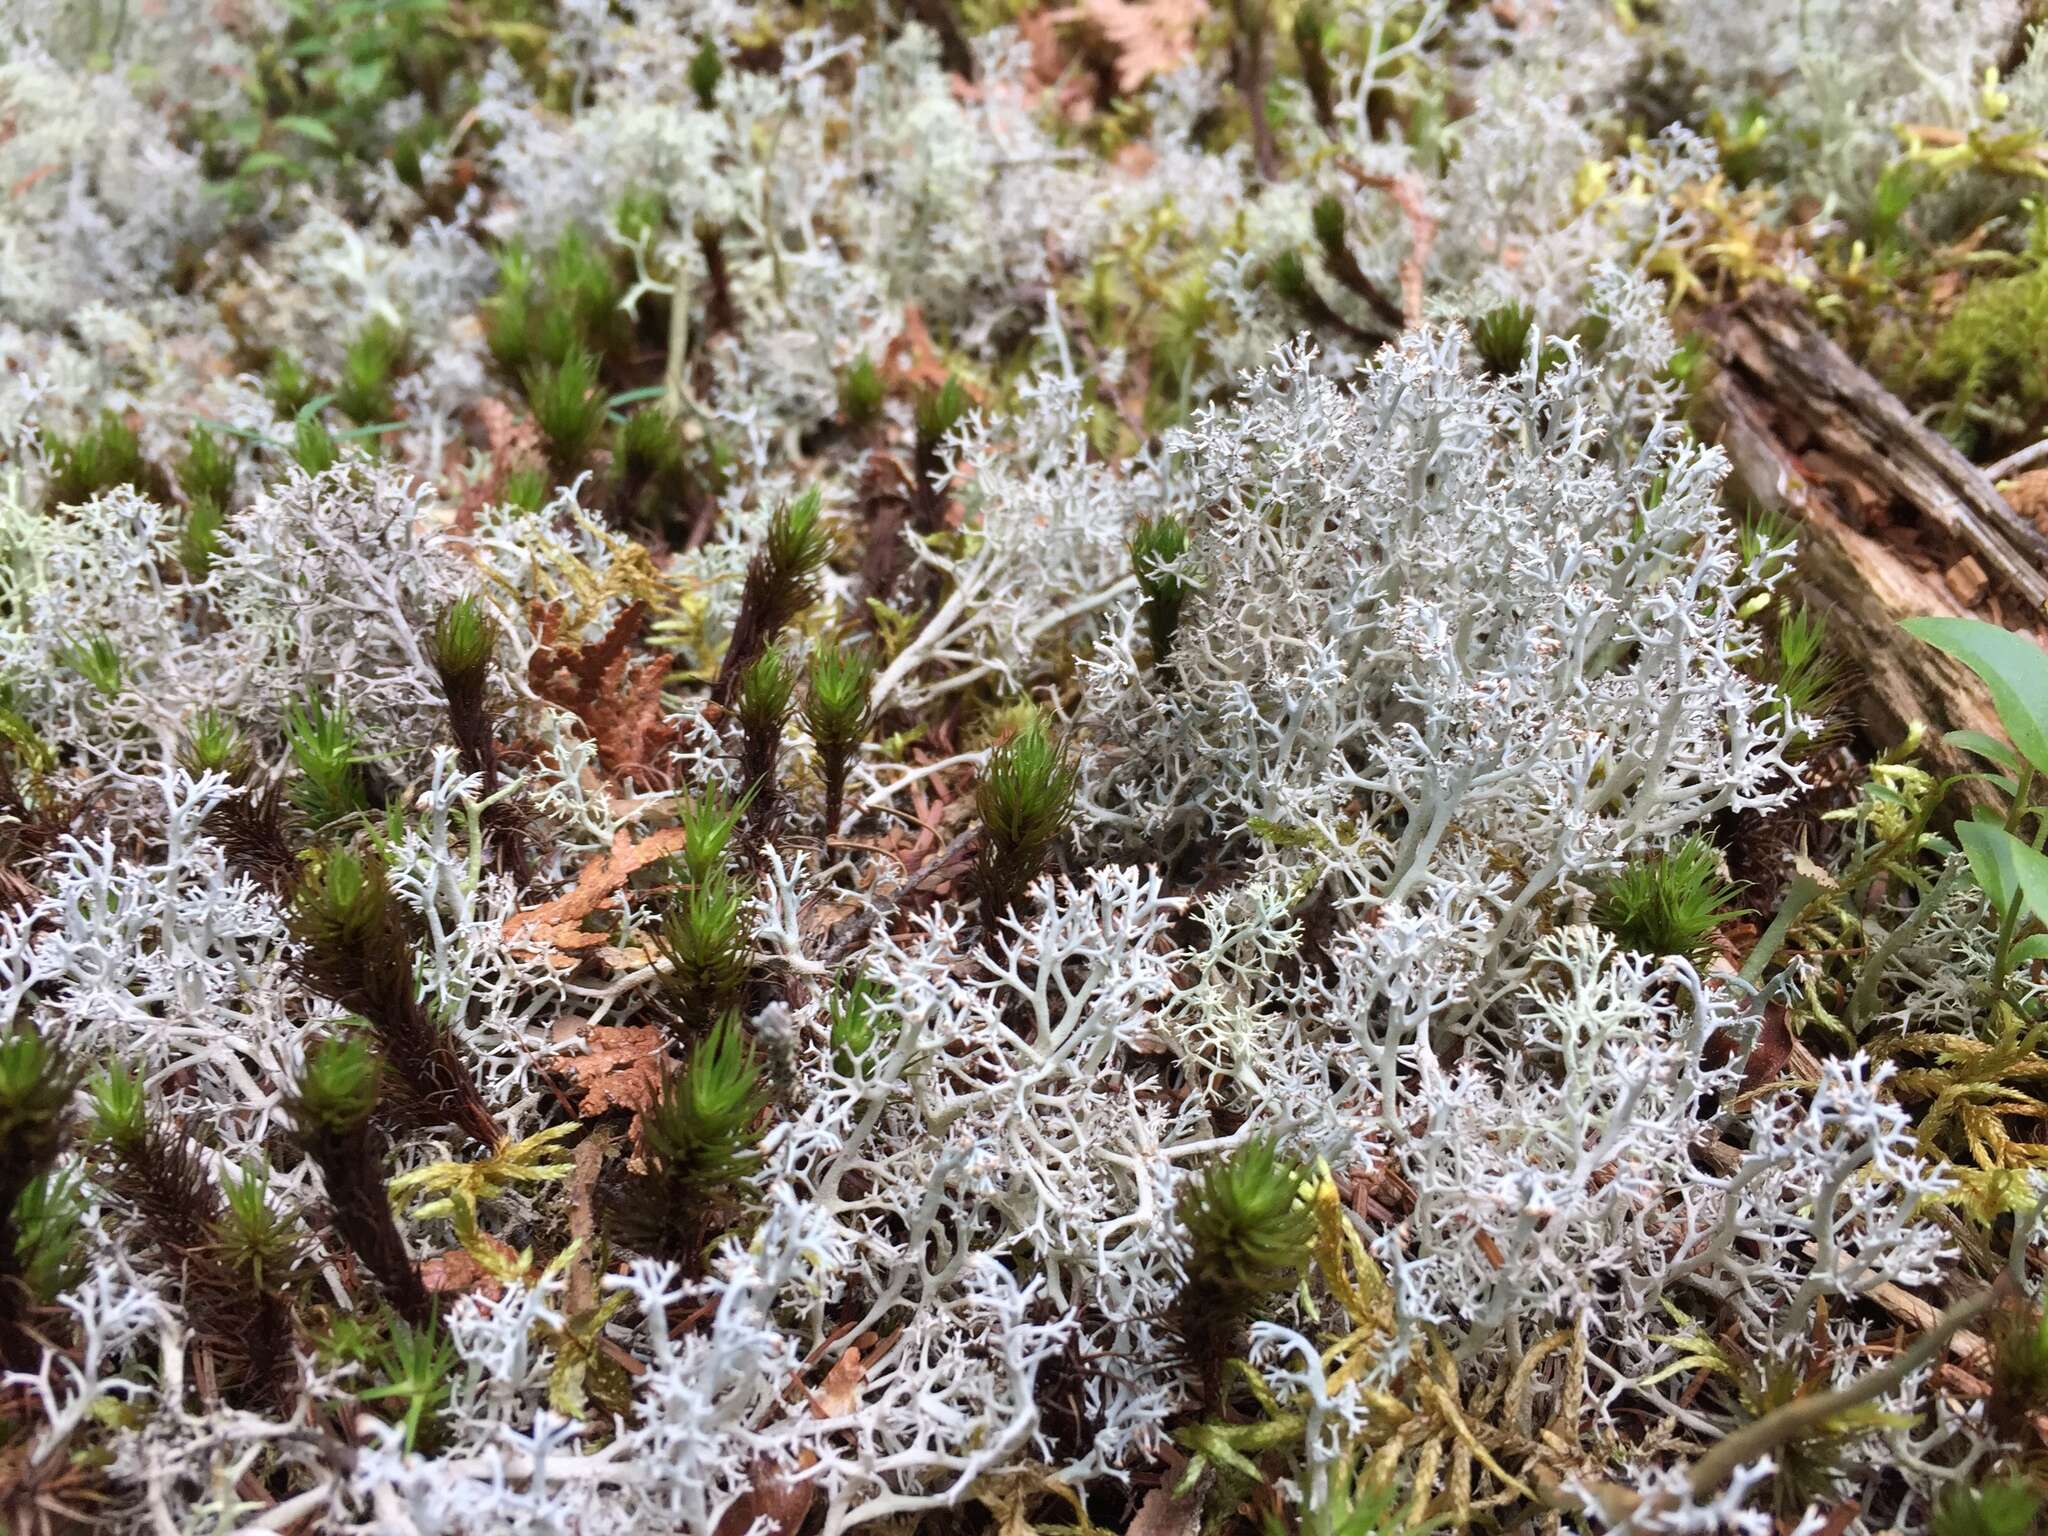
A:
[2009, 922]
[1804, 1415]
[1864, 1001]
[1799, 895]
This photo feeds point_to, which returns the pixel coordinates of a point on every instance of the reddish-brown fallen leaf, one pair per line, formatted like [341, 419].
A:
[1073, 92]
[1162, 1514]
[621, 1070]
[1773, 1049]
[1145, 37]
[839, 1392]
[1136, 158]
[911, 359]
[770, 1495]
[557, 923]
[773, 1494]
[617, 699]
[511, 441]
[1047, 61]
[456, 1271]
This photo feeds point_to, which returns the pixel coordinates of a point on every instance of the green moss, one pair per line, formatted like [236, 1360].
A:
[861, 392]
[569, 407]
[328, 753]
[525, 488]
[98, 660]
[465, 638]
[213, 743]
[708, 824]
[836, 706]
[707, 939]
[290, 388]
[46, 1224]
[1990, 358]
[1155, 545]
[856, 1023]
[699, 1130]
[207, 472]
[706, 70]
[313, 445]
[199, 538]
[1997, 1509]
[1670, 904]
[104, 456]
[338, 1088]
[364, 393]
[1248, 1230]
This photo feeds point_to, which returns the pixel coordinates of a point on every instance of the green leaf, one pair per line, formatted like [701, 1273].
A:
[309, 128]
[1989, 847]
[635, 396]
[2006, 865]
[1984, 746]
[2013, 667]
[1211, 1441]
[375, 429]
[2032, 868]
[2003, 782]
[360, 81]
[248, 434]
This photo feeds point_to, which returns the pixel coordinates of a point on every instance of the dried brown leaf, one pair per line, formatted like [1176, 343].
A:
[1145, 37]
[911, 359]
[456, 1271]
[557, 923]
[771, 1496]
[617, 699]
[839, 1393]
[621, 1070]
[1162, 1514]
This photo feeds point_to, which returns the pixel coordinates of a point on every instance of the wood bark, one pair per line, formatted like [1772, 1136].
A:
[1770, 347]
[1773, 368]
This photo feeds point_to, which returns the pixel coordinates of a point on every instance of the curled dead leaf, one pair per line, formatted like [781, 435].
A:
[771, 1495]
[620, 1070]
[615, 697]
[1145, 37]
[840, 1391]
[557, 924]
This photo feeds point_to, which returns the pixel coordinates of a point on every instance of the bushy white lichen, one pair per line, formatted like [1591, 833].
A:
[1458, 637]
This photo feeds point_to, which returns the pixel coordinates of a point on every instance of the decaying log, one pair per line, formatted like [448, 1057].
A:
[1768, 345]
[1863, 585]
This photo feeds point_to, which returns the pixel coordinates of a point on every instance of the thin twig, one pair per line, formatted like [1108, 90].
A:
[2012, 463]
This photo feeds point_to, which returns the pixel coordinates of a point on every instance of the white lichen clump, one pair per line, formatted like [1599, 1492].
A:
[1453, 641]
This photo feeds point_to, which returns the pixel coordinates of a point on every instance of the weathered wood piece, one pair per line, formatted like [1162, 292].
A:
[1775, 352]
[1864, 585]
